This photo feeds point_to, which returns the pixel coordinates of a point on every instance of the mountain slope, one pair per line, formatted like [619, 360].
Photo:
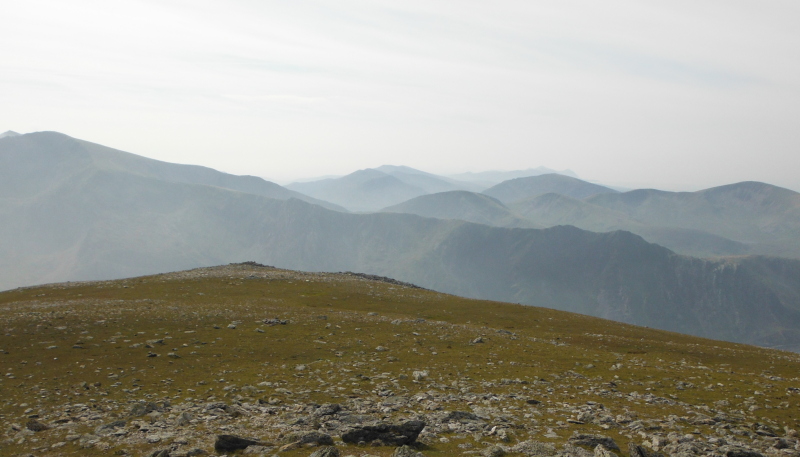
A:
[39, 161]
[551, 209]
[102, 222]
[108, 224]
[517, 189]
[765, 217]
[462, 205]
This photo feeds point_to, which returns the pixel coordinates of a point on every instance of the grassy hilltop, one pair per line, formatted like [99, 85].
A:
[254, 351]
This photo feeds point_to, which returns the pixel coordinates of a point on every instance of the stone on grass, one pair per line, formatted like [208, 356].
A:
[405, 451]
[386, 434]
[36, 426]
[230, 443]
[593, 440]
[327, 451]
[494, 451]
[601, 451]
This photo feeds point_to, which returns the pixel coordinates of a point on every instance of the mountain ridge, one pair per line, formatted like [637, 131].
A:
[52, 146]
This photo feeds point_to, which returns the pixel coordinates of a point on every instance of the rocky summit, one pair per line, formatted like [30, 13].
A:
[252, 360]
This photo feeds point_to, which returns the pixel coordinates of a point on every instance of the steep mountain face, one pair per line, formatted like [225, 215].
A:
[363, 190]
[517, 189]
[462, 205]
[38, 162]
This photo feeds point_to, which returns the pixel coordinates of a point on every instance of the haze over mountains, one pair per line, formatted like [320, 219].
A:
[75, 210]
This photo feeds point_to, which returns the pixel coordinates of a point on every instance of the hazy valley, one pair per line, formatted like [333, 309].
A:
[79, 211]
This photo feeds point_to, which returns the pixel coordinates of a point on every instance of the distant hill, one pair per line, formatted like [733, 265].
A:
[429, 182]
[8, 133]
[372, 189]
[491, 178]
[553, 209]
[462, 205]
[764, 217]
[363, 190]
[517, 189]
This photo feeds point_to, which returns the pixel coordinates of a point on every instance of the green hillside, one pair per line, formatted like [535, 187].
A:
[254, 351]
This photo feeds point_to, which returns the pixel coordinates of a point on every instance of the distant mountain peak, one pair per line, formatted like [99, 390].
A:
[8, 134]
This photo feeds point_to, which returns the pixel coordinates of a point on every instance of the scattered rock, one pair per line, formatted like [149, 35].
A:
[140, 409]
[230, 443]
[593, 441]
[327, 451]
[601, 451]
[313, 438]
[183, 419]
[534, 448]
[494, 451]
[639, 451]
[327, 409]
[405, 451]
[386, 434]
[35, 426]
[109, 427]
[458, 416]
[739, 452]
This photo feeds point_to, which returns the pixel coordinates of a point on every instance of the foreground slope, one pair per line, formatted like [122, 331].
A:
[168, 362]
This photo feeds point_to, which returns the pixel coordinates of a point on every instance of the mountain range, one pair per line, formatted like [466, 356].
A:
[74, 210]
[737, 219]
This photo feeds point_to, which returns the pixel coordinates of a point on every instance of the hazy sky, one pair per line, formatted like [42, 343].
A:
[677, 94]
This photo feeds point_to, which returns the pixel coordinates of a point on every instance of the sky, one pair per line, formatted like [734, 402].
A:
[670, 94]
